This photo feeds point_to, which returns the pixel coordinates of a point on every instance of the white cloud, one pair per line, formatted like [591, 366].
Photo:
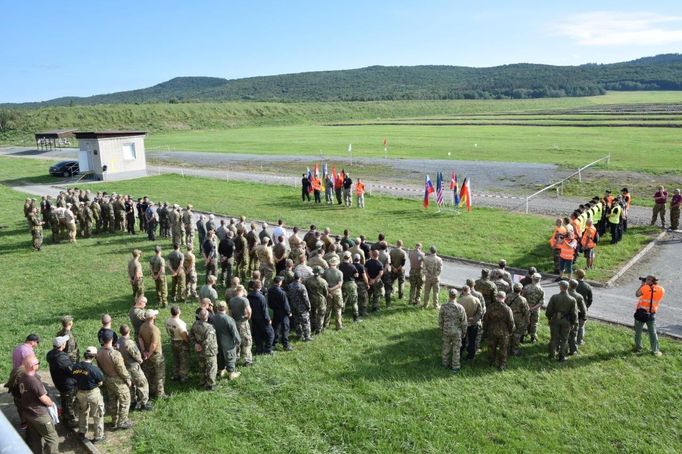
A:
[604, 28]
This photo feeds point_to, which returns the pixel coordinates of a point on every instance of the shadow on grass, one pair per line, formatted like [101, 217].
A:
[38, 179]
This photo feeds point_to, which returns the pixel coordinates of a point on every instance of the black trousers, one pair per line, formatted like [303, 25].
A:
[263, 337]
[281, 328]
[470, 342]
[615, 232]
[317, 196]
[338, 195]
[130, 221]
[151, 230]
[305, 195]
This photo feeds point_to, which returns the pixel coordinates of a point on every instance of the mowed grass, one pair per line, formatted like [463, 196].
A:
[375, 387]
[653, 150]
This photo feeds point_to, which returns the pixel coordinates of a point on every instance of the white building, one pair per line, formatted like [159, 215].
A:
[112, 155]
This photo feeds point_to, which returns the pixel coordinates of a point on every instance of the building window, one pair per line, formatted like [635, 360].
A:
[129, 152]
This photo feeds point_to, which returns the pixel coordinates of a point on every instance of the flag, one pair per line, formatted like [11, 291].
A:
[428, 189]
[439, 189]
[334, 173]
[454, 187]
[465, 193]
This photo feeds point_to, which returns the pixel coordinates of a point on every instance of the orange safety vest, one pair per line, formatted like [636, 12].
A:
[588, 238]
[567, 250]
[317, 184]
[651, 298]
[577, 228]
[557, 231]
[360, 189]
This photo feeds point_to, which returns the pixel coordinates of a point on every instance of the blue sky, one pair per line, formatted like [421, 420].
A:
[60, 48]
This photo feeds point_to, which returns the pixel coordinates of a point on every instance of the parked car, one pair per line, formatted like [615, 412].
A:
[65, 169]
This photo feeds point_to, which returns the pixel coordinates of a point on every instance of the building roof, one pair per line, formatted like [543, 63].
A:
[55, 133]
[108, 134]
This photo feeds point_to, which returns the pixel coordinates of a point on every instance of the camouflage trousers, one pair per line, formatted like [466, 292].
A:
[319, 309]
[90, 403]
[226, 272]
[161, 290]
[177, 237]
[68, 401]
[399, 277]
[515, 341]
[573, 336]
[138, 288]
[416, 285]
[559, 331]
[71, 229]
[37, 238]
[267, 274]
[350, 297]
[87, 230]
[208, 369]
[387, 279]
[253, 262]
[302, 323]
[334, 306]
[240, 267]
[154, 369]
[119, 395]
[191, 285]
[452, 345]
[431, 286]
[245, 346]
[363, 299]
[140, 384]
[499, 348]
[180, 350]
[533, 324]
[178, 286]
[376, 292]
[189, 235]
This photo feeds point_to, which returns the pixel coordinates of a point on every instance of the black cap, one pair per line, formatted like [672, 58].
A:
[107, 335]
[33, 338]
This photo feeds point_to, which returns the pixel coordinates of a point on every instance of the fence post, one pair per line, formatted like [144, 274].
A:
[580, 177]
[527, 198]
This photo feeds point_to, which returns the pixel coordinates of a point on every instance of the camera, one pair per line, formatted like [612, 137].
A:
[643, 279]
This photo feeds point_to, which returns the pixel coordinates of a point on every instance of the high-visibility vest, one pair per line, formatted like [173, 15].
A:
[588, 238]
[360, 189]
[651, 298]
[567, 250]
[614, 217]
[317, 184]
[577, 227]
[561, 230]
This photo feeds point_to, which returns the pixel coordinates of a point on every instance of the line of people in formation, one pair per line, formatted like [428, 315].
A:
[341, 187]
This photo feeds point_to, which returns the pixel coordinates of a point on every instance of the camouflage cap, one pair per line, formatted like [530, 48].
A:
[518, 287]
[317, 270]
[66, 319]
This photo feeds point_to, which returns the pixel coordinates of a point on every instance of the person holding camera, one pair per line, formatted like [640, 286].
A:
[566, 246]
[650, 295]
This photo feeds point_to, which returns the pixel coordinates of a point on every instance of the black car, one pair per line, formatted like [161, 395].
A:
[65, 169]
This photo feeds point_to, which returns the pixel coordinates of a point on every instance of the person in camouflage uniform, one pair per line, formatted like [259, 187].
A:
[111, 215]
[179, 337]
[582, 315]
[86, 220]
[349, 289]
[375, 286]
[240, 310]
[252, 241]
[175, 264]
[132, 357]
[398, 259]
[433, 265]
[158, 269]
[486, 287]
[164, 221]
[361, 285]
[502, 285]
[562, 313]
[586, 291]
[228, 339]
[334, 279]
[519, 307]
[153, 366]
[96, 215]
[498, 323]
[119, 214]
[318, 290]
[452, 320]
[203, 337]
[188, 224]
[191, 279]
[36, 226]
[241, 254]
[300, 307]
[535, 296]
[54, 224]
[116, 381]
[266, 261]
[501, 273]
[71, 348]
[177, 227]
[135, 276]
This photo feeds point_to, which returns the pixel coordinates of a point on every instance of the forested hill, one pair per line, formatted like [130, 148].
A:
[662, 72]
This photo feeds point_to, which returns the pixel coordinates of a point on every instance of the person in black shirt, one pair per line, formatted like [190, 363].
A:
[106, 327]
[364, 246]
[88, 380]
[130, 215]
[349, 289]
[361, 281]
[281, 311]
[305, 188]
[261, 325]
[60, 370]
[226, 251]
[347, 193]
[375, 269]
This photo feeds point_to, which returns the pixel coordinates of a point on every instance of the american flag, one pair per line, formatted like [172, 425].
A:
[439, 189]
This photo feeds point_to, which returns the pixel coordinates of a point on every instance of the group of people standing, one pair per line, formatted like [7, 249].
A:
[339, 185]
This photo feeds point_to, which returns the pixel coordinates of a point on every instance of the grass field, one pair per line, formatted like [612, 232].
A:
[374, 387]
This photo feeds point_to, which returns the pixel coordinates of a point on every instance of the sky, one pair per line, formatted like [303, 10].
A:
[64, 48]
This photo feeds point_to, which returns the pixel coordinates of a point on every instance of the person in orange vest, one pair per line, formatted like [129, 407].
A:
[650, 295]
[566, 245]
[559, 230]
[627, 198]
[588, 241]
[360, 193]
[317, 187]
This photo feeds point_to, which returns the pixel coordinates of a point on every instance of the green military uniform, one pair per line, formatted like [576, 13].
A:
[241, 254]
[203, 334]
[535, 296]
[562, 313]
[71, 347]
[36, 230]
[175, 327]
[136, 278]
[188, 223]
[96, 211]
[582, 315]
[487, 288]
[498, 323]
[175, 259]
[334, 277]
[452, 320]
[238, 306]
[519, 307]
[190, 275]
[416, 276]
[87, 220]
[158, 265]
[54, 225]
[133, 361]
[116, 377]
[136, 315]
[433, 266]
[154, 366]
[398, 259]
[317, 293]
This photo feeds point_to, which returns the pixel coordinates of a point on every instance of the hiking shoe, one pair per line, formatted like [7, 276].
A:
[658, 353]
[233, 375]
[124, 425]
